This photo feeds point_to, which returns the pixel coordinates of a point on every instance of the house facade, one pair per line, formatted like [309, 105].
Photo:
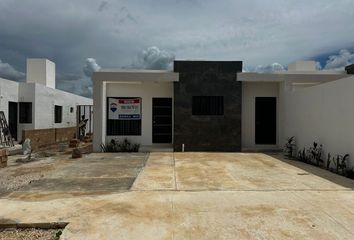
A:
[214, 106]
[36, 103]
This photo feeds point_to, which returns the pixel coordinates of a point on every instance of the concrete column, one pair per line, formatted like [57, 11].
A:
[99, 114]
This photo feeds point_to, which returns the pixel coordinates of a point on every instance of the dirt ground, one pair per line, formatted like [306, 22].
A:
[188, 196]
[20, 173]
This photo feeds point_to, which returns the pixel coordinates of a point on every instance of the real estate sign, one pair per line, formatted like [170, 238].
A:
[124, 108]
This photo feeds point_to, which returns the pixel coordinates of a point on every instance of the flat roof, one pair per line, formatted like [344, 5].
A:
[289, 76]
[119, 70]
[135, 75]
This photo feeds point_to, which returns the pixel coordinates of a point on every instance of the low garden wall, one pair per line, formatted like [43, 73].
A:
[46, 137]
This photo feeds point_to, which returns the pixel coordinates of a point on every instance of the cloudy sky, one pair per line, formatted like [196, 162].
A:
[82, 36]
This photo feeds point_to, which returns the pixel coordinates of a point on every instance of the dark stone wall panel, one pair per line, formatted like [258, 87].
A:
[207, 133]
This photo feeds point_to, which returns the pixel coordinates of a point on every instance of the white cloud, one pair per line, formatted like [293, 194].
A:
[339, 61]
[154, 58]
[9, 72]
[90, 67]
[274, 67]
[318, 66]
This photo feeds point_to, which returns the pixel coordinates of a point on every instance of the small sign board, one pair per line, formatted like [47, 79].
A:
[124, 108]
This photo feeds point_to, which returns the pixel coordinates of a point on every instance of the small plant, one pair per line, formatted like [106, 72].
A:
[120, 146]
[314, 156]
[315, 153]
[57, 235]
[289, 147]
[301, 156]
[328, 163]
[341, 163]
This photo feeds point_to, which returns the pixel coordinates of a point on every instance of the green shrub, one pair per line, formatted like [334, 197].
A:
[120, 146]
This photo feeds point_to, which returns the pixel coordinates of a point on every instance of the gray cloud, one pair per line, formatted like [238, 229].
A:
[255, 31]
[339, 61]
[103, 5]
[81, 86]
[90, 67]
[9, 72]
[154, 58]
[78, 83]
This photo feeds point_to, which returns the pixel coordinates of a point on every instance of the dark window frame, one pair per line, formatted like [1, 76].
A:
[25, 112]
[58, 114]
[127, 127]
[208, 105]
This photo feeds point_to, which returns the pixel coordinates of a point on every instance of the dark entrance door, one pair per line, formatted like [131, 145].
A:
[13, 119]
[162, 120]
[266, 115]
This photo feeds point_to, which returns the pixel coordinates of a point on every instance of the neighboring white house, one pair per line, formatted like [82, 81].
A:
[36, 103]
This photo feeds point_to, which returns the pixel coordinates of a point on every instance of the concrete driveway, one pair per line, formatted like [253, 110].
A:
[201, 196]
[94, 173]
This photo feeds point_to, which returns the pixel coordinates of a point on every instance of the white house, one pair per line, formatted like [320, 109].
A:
[142, 85]
[213, 106]
[36, 103]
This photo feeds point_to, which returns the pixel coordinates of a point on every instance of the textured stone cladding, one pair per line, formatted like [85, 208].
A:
[207, 133]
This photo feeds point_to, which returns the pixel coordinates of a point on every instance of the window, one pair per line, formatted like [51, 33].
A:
[25, 112]
[71, 109]
[123, 116]
[124, 127]
[208, 105]
[58, 114]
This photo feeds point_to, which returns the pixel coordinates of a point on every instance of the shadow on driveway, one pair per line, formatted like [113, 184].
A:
[323, 173]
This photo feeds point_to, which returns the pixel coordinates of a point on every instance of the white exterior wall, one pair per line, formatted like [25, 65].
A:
[26, 93]
[128, 83]
[8, 93]
[45, 100]
[147, 91]
[323, 113]
[251, 90]
[302, 66]
[41, 71]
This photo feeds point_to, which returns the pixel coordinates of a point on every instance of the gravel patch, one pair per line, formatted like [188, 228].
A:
[30, 234]
[19, 174]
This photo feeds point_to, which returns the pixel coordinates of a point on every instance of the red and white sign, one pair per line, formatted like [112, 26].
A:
[124, 109]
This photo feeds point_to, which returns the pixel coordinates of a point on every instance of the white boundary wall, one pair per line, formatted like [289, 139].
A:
[323, 113]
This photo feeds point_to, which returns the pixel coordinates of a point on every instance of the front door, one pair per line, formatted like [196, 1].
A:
[13, 113]
[162, 120]
[266, 115]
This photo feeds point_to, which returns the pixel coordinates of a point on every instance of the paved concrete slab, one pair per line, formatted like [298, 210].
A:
[95, 172]
[158, 174]
[80, 185]
[248, 171]
[215, 196]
